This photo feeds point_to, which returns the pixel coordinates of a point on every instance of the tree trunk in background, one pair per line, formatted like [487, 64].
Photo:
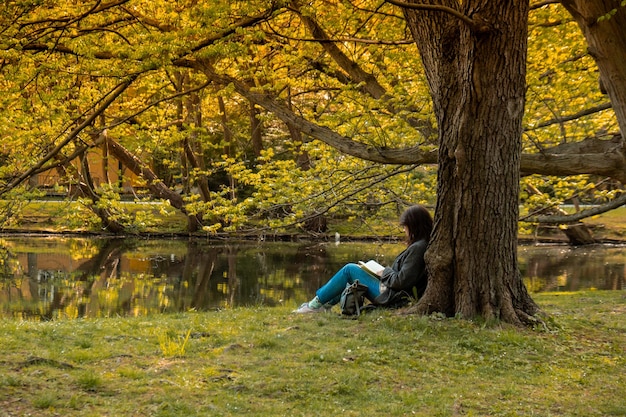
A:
[83, 187]
[302, 156]
[228, 142]
[156, 186]
[472, 257]
[256, 130]
[192, 150]
[606, 41]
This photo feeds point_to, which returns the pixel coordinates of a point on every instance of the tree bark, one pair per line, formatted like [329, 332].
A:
[192, 149]
[605, 157]
[228, 141]
[472, 257]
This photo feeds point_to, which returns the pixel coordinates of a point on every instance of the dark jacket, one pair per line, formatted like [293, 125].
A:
[408, 271]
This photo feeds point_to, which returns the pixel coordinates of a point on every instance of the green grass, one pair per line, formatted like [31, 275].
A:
[610, 225]
[269, 362]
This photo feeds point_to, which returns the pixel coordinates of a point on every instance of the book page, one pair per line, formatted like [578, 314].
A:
[372, 267]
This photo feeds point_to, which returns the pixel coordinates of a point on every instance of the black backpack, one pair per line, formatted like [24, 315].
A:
[352, 299]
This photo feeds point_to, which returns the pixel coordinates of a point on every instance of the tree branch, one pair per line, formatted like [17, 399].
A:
[375, 179]
[590, 156]
[65, 21]
[477, 26]
[543, 3]
[582, 113]
[576, 217]
[341, 40]
[242, 23]
[155, 103]
[598, 157]
[412, 155]
[609, 164]
[369, 83]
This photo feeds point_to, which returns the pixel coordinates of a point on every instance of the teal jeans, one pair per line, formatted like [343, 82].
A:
[330, 293]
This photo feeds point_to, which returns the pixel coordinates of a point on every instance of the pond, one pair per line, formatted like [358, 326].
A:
[47, 278]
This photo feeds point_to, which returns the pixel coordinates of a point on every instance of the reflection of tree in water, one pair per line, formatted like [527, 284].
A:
[102, 269]
[174, 284]
[205, 277]
[573, 269]
[615, 276]
[137, 277]
[198, 267]
[271, 274]
[312, 261]
[10, 278]
[43, 293]
[92, 276]
[13, 284]
[7, 266]
[201, 277]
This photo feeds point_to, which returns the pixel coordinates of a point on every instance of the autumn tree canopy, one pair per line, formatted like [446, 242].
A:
[218, 107]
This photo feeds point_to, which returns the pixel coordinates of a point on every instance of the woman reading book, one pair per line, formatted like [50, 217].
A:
[394, 283]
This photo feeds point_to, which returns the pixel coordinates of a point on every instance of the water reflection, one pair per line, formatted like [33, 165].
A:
[564, 268]
[51, 278]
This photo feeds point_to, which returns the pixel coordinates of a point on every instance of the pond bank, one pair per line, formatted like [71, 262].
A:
[50, 218]
[279, 237]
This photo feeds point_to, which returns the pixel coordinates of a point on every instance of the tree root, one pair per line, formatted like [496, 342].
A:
[35, 360]
[534, 320]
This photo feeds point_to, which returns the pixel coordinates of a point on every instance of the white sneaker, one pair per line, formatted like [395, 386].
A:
[304, 308]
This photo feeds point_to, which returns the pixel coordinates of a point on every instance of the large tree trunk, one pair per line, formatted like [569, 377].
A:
[472, 258]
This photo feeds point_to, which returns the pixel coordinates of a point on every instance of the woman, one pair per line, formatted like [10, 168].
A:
[407, 271]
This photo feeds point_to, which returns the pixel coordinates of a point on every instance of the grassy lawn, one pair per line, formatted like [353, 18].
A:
[73, 216]
[269, 362]
[611, 224]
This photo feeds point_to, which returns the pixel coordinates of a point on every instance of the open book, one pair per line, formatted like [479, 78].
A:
[372, 267]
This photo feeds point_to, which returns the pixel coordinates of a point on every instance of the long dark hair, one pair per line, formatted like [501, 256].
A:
[418, 221]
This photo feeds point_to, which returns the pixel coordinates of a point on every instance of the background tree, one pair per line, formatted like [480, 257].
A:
[601, 22]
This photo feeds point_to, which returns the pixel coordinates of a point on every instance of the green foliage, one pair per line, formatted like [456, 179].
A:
[61, 60]
[173, 346]
[562, 81]
[11, 211]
